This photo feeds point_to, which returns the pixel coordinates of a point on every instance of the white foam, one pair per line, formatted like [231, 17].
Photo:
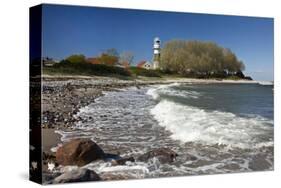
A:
[190, 124]
[265, 83]
[155, 92]
[137, 170]
[140, 168]
[54, 149]
[68, 135]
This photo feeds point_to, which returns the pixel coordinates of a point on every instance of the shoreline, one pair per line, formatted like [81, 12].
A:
[63, 97]
[147, 80]
[75, 92]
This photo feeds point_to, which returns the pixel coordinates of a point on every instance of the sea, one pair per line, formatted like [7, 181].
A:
[214, 128]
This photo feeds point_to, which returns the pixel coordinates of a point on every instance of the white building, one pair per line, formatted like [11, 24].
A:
[144, 65]
[156, 52]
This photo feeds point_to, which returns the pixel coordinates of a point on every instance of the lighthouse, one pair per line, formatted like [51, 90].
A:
[156, 52]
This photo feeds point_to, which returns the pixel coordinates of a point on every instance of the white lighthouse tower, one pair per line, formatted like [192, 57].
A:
[156, 52]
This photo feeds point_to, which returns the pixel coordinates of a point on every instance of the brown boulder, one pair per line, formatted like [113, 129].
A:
[164, 155]
[79, 152]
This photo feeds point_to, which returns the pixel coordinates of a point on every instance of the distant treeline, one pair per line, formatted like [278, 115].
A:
[108, 63]
[88, 69]
[199, 59]
[109, 57]
[178, 58]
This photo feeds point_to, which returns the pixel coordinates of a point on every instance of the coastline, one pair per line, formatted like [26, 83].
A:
[145, 80]
[63, 96]
[75, 92]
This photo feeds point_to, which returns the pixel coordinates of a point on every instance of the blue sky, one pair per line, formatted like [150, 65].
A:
[87, 30]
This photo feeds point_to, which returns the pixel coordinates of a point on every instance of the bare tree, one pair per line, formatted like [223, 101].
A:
[127, 57]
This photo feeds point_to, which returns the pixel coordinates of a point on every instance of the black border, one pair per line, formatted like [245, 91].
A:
[35, 53]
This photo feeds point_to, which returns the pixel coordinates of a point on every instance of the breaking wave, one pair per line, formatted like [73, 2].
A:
[265, 83]
[134, 121]
[192, 124]
[168, 90]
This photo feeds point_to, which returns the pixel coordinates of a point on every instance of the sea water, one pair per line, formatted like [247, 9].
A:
[225, 128]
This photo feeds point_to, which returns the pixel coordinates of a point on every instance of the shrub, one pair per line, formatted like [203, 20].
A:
[76, 58]
[144, 72]
[66, 67]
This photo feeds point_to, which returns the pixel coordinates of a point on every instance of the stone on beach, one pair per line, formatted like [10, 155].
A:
[109, 176]
[122, 161]
[164, 155]
[79, 152]
[259, 163]
[77, 175]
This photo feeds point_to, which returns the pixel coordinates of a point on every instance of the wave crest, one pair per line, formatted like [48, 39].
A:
[170, 91]
[190, 124]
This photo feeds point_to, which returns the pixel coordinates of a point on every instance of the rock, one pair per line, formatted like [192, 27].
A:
[107, 176]
[122, 161]
[191, 157]
[232, 167]
[259, 162]
[48, 157]
[78, 175]
[79, 152]
[200, 163]
[164, 155]
[48, 177]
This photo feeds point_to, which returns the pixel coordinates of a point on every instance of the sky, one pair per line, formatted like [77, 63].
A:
[90, 31]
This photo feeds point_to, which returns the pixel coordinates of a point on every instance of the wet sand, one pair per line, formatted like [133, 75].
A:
[50, 139]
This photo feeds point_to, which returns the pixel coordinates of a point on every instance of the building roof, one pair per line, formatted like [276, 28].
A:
[140, 64]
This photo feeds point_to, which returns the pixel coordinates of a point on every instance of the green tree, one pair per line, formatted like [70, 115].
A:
[108, 59]
[76, 58]
[201, 58]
